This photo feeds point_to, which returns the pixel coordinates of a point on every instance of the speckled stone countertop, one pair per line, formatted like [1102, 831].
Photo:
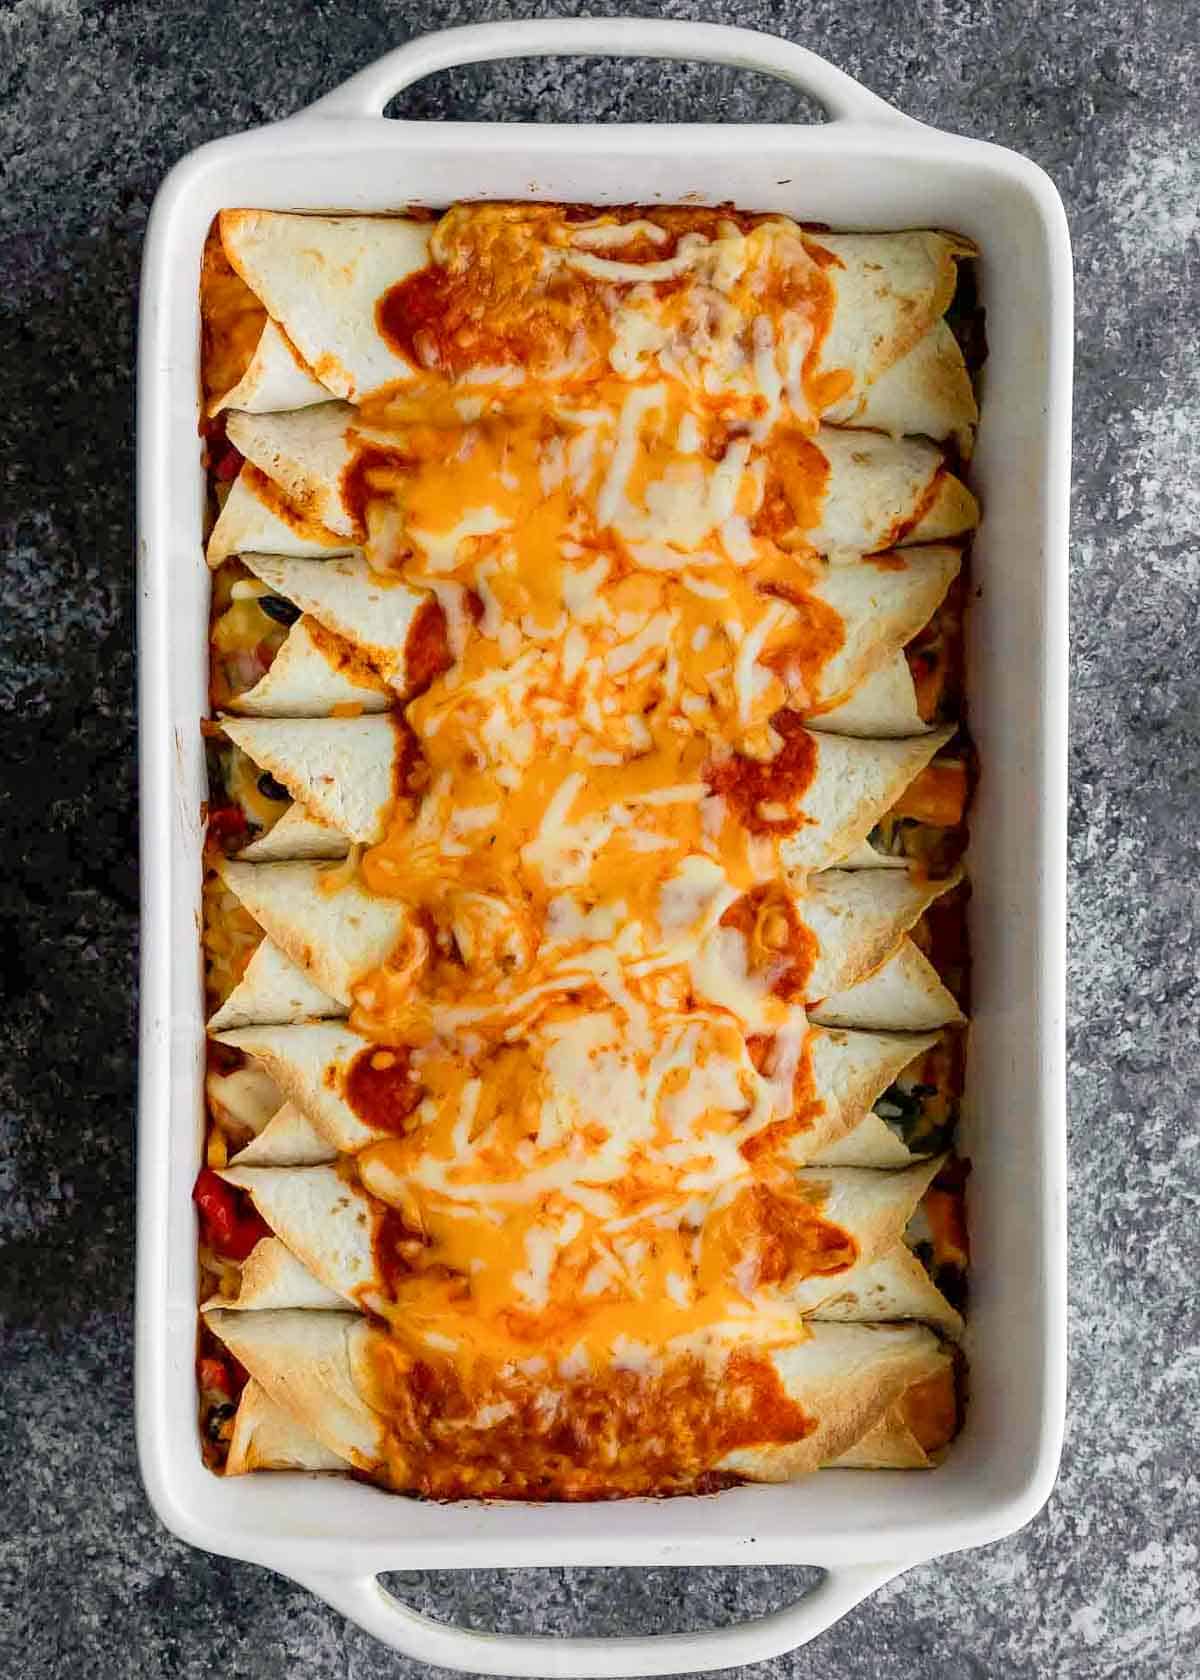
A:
[99, 100]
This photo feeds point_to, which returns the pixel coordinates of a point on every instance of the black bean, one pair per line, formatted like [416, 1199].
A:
[220, 1414]
[283, 612]
[270, 788]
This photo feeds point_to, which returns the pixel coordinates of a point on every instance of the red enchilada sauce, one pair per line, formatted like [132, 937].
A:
[776, 939]
[502, 294]
[616, 1435]
[764, 793]
[380, 1087]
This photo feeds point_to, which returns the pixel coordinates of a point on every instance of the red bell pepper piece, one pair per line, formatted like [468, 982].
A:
[228, 1230]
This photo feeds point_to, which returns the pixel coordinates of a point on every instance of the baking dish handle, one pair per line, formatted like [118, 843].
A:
[364, 1600]
[367, 93]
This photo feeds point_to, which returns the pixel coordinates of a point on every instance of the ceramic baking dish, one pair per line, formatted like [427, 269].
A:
[868, 167]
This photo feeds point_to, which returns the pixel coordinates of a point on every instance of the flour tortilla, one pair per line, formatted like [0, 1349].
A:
[326, 924]
[321, 278]
[892, 1443]
[273, 988]
[257, 518]
[329, 1224]
[871, 1143]
[859, 919]
[311, 1365]
[887, 1282]
[289, 1139]
[326, 1221]
[927, 392]
[854, 783]
[891, 291]
[271, 1277]
[305, 456]
[374, 614]
[265, 1437]
[882, 708]
[342, 770]
[310, 1064]
[296, 834]
[893, 1287]
[312, 673]
[882, 604]
[318, 1368]
[883, 492]
[850, 1072]
[275, 377]
[904, 994]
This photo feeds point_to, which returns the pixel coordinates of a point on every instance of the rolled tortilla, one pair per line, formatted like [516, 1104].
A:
[331, 1225]
[884, 492]
[321, 278]
[327, 1222]
[305, 455]
[882, 708]
[882, 604]
[248, 359]
[265, 1437]
[878, 492]
[275, 377]
[296, 834]
[309, 1064]
[382, 618]
[904, 994]
[854, 784]
[256, 518]
[887, 1282]
[325, 1371]
[345, 771]
[892, 291]
[310, 1365]
[858, 920]
[248, 1100]
[850, 1072]
[289, 1139]
[271, 1276]
[325, 924]
[927, 392]
[313, 674]
[894, 1287]
[871, 1143]
[342, 770]
[320, 943]
[312, 1063]
[273, 988]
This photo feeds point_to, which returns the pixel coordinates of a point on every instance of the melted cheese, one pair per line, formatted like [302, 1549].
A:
[580, 1165]
[591, 1180]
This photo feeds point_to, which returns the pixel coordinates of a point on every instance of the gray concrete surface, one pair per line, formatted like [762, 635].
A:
[98, 101]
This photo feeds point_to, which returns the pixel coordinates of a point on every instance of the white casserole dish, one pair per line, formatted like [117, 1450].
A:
[872, 168]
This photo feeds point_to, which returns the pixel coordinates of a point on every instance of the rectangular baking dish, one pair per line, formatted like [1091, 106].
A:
[869, 167]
